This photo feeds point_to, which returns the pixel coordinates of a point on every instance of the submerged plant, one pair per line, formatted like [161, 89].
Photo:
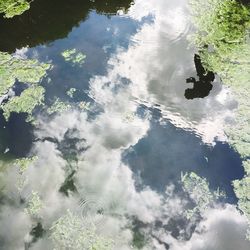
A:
[69, 232]
[71, 55]
[12, 8]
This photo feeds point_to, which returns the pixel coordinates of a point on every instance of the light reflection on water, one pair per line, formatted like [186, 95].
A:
[126, 159]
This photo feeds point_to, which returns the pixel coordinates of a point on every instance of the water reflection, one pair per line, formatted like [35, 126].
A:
[48, 20]
[122, 165]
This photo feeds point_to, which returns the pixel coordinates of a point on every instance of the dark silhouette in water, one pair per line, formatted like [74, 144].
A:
[202, 87]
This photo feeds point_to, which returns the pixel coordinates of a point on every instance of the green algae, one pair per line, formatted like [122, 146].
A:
[25, 103]
[70, 232]
[76, 58]
[12, 8]
[198, 190]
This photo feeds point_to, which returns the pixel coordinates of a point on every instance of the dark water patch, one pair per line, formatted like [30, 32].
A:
[166, 152]
[17, 135]
[48, 20]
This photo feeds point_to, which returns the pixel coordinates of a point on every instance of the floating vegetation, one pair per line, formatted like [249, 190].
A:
[12, 8]
[71, 92]
[58, 107]
[25, 103]
[69, 232]
[222, 37]
[23, 70]
[242, 190]
[71, 55]
[34, 204]
[24, 163]
[84, 105]
[198, 190]
[129, 117]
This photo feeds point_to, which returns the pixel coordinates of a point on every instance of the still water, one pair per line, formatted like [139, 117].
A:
[116, 164]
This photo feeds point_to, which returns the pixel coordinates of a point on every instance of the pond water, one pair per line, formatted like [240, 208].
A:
[115, 159]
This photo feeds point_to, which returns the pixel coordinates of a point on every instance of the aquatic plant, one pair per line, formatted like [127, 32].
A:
[242, 191]
[71, 55]
[69, 232]
[23, 70]
[24, 163]
[199, 192]
[84, 105]
[25, 103]
[58, 106]
[71, 92]
[34, 204]
[12, 8]
[223, 41]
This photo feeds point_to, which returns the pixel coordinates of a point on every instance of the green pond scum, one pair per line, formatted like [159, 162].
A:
[223, 41]
[11, 8]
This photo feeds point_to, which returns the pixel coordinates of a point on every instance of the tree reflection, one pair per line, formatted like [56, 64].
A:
[202, 87]
[49, 20]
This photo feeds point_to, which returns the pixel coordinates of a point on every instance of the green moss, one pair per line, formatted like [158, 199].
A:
[25, 103]
[76, 58]
[12, 8]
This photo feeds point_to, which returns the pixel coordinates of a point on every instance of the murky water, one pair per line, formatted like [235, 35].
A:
[117, 164]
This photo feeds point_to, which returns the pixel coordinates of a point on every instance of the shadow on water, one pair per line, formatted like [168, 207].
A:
[49, 20]
[203, 86]
[166, 152]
